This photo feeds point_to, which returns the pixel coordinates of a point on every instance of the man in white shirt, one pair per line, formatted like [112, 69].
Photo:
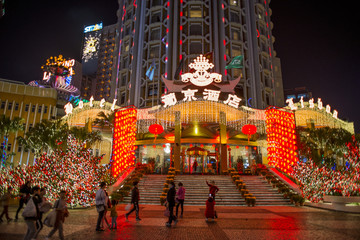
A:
[100, 205]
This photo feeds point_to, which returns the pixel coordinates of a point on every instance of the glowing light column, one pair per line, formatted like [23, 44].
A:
[124, 140]
[280, 129]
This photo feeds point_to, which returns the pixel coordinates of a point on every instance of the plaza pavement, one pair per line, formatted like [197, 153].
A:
[259, 222]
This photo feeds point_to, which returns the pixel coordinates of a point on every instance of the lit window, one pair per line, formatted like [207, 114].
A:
[196, 12]
[235, 34]
[234, 2]
[236, 50]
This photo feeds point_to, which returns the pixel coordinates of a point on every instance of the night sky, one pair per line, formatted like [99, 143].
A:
[315, 40]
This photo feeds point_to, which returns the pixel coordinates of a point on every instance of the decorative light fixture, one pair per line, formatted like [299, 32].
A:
[249, 130]
[201, 77]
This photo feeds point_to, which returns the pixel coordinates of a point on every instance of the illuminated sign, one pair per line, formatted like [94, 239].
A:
[201, 77]
[92, 28]
[311, 105]
[68, 64]
[90, 47]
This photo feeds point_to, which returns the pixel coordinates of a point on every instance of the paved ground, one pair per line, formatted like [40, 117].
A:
[233, 223]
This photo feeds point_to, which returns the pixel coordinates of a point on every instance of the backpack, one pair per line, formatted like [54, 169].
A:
[30, 209]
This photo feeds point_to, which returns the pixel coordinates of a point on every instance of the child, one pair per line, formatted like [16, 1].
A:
[210, 208]
[6, 201]
[113, 214]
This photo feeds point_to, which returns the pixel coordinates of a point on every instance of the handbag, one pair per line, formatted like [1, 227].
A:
[50, 218]
[100, 208]
[127, 207]
[30, 209]
[167, 212]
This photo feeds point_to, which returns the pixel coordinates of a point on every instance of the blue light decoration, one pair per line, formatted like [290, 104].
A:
[76, 99]
[334, 167]
[92, 28]
[68, 80]
[347, 165]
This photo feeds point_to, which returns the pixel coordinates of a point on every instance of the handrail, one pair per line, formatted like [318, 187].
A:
[121, 179]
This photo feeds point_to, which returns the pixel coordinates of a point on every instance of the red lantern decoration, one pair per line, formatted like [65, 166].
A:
[156, 129]
[249, 130]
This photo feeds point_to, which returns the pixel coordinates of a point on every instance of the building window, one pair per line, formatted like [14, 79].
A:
[122, 98]
[195, 12]
[10, 105]
[235, 34]
[155, 34]
[126, 46]
[234, 2]
[234, 17]
[30, 127]
[9, 147]
[154, 51]
[3, 105]
[152, 91]
[195, 29]
[195, 48]
[16, 106]
[155, 17]
[19, 148]
[156, 3]
[123, 80]
[33, 108]
[125, 63]
[45, 109]
[39, 109]
[26, 107]
[127, 29]
[235, 50]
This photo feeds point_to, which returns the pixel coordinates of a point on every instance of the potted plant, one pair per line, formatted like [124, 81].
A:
[244, 191]
[162, 200]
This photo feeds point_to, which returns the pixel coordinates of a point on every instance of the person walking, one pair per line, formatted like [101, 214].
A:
[24, 194]
[195, 164]
[113, 214]
[6, 201]
[107, 207]
[170, 198]
[30, 215]
[44, 207]
[180, 199]
[135, 198]
[61, 214]
[213, 189]
[100, 201]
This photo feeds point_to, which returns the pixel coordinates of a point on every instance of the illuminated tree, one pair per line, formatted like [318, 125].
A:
[75, 170]
[8, 126]
[317, 181]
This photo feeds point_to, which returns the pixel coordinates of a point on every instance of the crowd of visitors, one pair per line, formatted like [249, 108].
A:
[36, 205]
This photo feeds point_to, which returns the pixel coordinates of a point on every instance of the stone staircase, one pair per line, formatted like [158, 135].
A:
[150, 188]
[265, 194]
[197, 191]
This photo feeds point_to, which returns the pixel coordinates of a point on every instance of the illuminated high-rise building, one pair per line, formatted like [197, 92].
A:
[98, 60]
[170, 34]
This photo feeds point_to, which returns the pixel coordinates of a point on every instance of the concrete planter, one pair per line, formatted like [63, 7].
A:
[338, 203]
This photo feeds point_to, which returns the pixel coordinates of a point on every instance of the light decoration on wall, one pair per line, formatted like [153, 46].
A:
[58, 72]
[281, 138]
[201, 77]
[124, 139]
[91, 47]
